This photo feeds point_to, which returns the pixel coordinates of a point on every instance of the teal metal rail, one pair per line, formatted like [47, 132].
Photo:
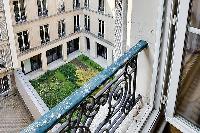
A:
[52, 117]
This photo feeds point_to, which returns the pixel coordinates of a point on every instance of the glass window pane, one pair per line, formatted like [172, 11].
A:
[195, 14]
[188, 103]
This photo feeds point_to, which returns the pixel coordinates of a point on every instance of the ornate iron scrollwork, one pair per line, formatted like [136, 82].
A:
[112, 103]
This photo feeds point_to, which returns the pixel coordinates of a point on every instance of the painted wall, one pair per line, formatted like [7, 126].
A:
[34, 22]
[142, 24]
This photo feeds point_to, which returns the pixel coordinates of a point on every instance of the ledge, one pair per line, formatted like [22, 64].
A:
[57, 14]
[61, 39]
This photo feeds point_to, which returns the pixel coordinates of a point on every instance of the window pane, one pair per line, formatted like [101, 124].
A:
[195, 14]
[188, 104]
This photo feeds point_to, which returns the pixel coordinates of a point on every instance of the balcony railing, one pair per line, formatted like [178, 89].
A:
[61, 9]
[100, 35]
[77, 29]
[110, 94]
[87, 28]
[101, 9]
[43, 13]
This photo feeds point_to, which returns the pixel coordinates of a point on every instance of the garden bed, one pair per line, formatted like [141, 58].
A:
[54, 86]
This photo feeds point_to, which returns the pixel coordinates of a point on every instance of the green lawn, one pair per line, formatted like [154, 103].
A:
[54, 86]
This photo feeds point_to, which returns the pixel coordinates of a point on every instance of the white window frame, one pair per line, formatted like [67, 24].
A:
[42, 7]
[102, 28]
[9, 83]
[86, 3]
[44, 31]
[60, 4]
[19, 7]
[176, 120]
[101, 6]
[23, 40]
[61, 24]
[157, 98]
[75, 4]
[77, 22]
[87, 22]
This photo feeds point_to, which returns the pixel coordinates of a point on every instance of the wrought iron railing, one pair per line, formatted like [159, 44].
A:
[110, 95]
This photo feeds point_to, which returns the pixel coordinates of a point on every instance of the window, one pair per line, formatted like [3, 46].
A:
[188, 105]
[19, 11]
[76, 23]
[86, 4]
[101, 51]
[87, 23]
[54, 54]
[1, 37]
[72, 46]
[88, 43]
[4, 84]
[101, 6]
[61, 6]
[23, 40]
[32, 64]
[44, 33]
[101, 28]
[61, 28]
[183, 108]
[76, 4]
[42, 8]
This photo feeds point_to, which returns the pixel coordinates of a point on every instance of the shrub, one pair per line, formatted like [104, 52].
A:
[69, 71]
[55, 86]
[89, 63]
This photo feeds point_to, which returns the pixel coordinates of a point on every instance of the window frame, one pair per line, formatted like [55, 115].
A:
[86, 3]
[21, 8]
[101, 32]
[87, 22]
[176, 120]
[61, 28]
[61, 6]
[43, 7]
[2, 80]
[22, 36]
[76, 23]
[45, 33]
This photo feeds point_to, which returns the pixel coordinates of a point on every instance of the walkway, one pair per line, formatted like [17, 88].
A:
[13, 115]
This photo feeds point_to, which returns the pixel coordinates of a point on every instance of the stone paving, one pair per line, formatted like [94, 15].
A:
[13, 114]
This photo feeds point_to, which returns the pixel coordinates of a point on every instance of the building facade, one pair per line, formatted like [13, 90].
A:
[44, 31]
[6, 75]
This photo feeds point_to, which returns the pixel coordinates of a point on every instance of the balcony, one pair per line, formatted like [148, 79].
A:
[19, 18]
[43, 13]
[100, 35]
[61, 34]
[112, 93]
[77, 29]
[61, 9]
[87, 29]
[101, 9]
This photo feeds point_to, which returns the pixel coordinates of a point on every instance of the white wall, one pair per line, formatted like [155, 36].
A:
[142, 24]
[31, 98]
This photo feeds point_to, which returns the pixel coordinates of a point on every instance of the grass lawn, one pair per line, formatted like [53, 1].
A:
[54, 86]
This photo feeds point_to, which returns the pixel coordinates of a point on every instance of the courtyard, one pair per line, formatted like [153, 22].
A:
[54, 86]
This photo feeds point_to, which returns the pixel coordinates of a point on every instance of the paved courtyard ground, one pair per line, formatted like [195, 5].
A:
[13, 115]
